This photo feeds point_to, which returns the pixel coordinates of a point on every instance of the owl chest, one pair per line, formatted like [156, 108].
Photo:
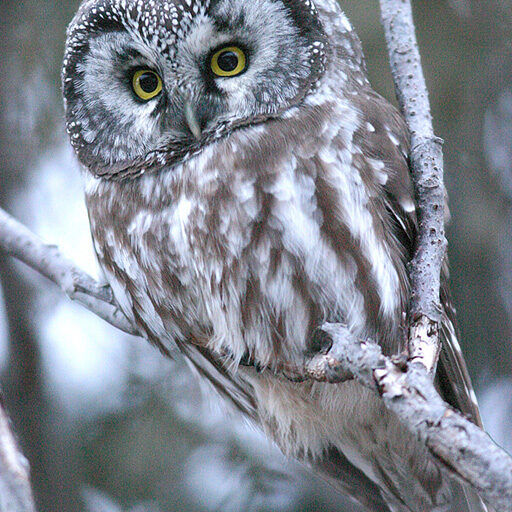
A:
[243, 258]
[238, 263]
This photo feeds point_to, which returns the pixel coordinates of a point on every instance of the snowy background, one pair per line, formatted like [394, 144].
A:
[108, 424]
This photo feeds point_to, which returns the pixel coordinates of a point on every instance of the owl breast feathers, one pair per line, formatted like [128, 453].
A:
[244, 185]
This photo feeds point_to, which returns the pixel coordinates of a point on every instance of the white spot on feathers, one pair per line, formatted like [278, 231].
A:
[407, 204]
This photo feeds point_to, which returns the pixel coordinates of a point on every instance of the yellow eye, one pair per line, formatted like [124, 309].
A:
[146, 84]
[229, 61]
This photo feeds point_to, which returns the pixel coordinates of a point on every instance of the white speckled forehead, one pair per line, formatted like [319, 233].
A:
[159, 23]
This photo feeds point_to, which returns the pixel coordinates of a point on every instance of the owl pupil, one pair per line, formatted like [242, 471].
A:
[148, 82]
[228, 61]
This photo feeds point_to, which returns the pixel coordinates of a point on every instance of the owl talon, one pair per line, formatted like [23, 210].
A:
[249, 361]
[319, 343]
[401, 361]
[319, 364]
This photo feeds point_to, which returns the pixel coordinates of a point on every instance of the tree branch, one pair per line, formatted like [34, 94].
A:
[407, 389]
[17, 241]
[15, 490]
[427, 170]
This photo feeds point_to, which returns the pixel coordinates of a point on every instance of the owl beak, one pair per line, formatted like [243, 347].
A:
[192, 120]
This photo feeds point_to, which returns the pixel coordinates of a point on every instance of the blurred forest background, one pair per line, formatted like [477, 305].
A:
[107, 424]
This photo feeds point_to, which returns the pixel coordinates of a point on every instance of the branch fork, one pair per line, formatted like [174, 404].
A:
[406, 388]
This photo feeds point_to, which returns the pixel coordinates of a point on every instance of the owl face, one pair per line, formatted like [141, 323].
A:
[149, 83]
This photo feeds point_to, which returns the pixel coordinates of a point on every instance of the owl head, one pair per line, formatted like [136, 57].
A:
[148, 83]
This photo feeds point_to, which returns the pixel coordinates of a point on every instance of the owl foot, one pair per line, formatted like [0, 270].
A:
[319, 363]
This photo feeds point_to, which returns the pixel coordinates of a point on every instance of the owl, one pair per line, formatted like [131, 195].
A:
[245, 184]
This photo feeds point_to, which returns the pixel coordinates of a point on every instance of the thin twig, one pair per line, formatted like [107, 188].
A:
[427, 170]
[19, 242]
[407, 389]
[15, 490]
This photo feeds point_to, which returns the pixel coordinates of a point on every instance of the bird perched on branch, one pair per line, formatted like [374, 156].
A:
[244, 185]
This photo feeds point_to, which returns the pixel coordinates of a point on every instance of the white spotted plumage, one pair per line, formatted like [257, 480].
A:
[234, 215]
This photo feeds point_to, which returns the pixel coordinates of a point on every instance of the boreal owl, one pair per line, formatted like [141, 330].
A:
[245, 184]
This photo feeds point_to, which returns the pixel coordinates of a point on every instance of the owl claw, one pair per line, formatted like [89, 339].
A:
[319, 364]
[319, 343]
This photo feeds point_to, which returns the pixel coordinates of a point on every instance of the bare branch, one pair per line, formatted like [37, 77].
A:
[16, 240]
[407, 389]
[427, 170]
[15, 490]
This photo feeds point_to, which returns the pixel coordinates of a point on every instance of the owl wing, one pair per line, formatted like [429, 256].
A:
[452, 375]
[381, 150]
[336, 469]
[383, 137]
[206, 364]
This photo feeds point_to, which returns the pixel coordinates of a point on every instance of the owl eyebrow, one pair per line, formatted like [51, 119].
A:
[128, 54]
[226, 24]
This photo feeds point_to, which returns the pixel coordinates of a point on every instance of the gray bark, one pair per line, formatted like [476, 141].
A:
[427, 171]
[17, 241]
[407, 389]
